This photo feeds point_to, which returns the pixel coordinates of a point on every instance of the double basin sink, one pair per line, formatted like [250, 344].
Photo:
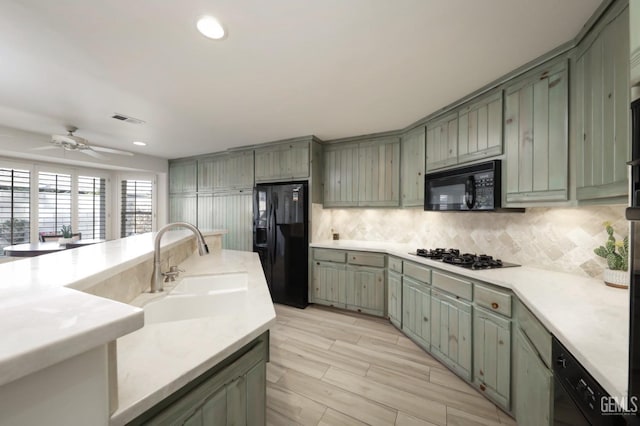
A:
[200, 296]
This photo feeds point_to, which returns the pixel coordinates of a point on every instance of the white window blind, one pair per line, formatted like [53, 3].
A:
[54, 202]
[137, 207]
[14, 207]
[91, 207]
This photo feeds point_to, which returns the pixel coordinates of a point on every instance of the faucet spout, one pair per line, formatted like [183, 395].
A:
[156, 278]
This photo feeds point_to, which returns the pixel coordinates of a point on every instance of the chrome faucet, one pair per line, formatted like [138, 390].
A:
[156, 278]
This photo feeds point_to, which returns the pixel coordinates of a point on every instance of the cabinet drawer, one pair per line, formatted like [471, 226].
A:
[453, 285]
[366, 259]
[329, 255]
[495, 300]
[417, 272]
[535, 331]
[395, 264]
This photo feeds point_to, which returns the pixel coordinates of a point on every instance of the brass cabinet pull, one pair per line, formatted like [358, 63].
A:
[494, 305]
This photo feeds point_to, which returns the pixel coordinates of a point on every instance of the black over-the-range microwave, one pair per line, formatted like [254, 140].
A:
[470, 188]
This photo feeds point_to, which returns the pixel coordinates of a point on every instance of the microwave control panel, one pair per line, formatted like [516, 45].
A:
[484, 186]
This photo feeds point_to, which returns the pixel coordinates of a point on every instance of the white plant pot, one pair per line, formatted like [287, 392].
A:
[617, 279]
[63, 241]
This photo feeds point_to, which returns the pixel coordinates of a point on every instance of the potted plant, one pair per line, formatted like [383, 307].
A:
[67, 235]
[617, 255]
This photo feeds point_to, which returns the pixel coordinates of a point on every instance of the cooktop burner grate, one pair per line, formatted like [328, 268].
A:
[466, 260]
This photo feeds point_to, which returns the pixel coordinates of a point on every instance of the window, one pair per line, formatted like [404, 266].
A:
[54, 202]
[14, 207]
[137, 207]
[91, 207]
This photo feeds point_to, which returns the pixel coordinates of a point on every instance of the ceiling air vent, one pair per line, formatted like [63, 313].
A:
[126, 118]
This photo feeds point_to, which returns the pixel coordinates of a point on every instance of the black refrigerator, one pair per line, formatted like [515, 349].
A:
[281, 238]
[633, 214]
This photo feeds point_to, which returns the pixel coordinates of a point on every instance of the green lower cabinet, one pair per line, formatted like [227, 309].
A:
[231, 394]
[492, 356]
[329, 284]
[365, 289]
[416, 311]
[533, 390]
[394, 298]
[451, 332]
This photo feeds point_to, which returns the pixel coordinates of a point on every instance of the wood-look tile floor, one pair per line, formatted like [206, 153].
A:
[330, 367]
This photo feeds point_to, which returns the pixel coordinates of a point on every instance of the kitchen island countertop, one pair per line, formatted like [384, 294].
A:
[590, 319]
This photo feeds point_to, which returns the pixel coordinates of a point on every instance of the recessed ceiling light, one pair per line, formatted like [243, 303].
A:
[139, 143]
[210, 27]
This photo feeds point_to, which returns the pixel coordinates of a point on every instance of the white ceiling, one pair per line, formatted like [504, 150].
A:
[288, 68]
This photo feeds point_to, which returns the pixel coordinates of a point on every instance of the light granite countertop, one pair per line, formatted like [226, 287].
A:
[44, 319]
[160, 358]
[587, 317]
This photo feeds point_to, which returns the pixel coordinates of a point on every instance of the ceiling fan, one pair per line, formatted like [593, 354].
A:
[70, 142]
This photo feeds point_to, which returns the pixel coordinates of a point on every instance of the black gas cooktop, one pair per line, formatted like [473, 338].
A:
[465, 260]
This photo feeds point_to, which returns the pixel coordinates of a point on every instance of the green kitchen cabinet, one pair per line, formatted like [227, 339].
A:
[285, 161]
[329, 283]
[183, 208]
[634, 41]
[232, 393]
[365, 289]
[183, 176]
[379, 173]
[416, 311]
[394, 298]
[412, 167]
[533, 385]
[480, 128]
[536, 135]
[451, 326]
[231, 210]
[341, 163]
[492, 356]
[229, 171]
[602, 110]
[442, 142]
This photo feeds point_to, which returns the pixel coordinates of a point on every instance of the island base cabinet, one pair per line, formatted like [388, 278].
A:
[451, 333]
[492, 356]
[416, 311]
[533, 385]
[233, 394]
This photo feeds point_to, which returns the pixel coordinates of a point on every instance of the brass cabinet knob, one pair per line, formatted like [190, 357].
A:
[494, 305]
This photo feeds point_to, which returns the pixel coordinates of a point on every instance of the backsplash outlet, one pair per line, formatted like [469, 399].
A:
[559, 239]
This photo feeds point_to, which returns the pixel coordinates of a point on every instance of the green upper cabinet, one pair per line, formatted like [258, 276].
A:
[183, 176]
[634, 39]
[227, 171]
[379, 173]
[480, 128]
[284, 161]
[412, 167]
[442, 142]
[536, 135]
[183, 208]
[341, 162]
[602, 110]
[365, 174]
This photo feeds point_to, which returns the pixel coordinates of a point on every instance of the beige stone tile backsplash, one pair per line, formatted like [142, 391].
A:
[560, 239]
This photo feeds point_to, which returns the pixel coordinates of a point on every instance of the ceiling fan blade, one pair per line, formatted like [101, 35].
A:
[44, 148]
[92, 153]
[111, 150]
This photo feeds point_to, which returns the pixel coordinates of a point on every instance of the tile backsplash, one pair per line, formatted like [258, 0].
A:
[560, 239]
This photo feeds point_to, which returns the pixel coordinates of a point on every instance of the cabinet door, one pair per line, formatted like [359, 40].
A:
[341, 175]
[394, 298]
[329, 284]
[492, 356]
[533, 385]
[183, 208]
[602, 113]
[451, 332]
[416, 307]
[182, 176]
[365, 289]
[480, 129]
[536, 136]
[231, 210]
[442, 142]
[412, 167]
[225, 172]
[379, 173]
[634, 37]
[282, 162]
